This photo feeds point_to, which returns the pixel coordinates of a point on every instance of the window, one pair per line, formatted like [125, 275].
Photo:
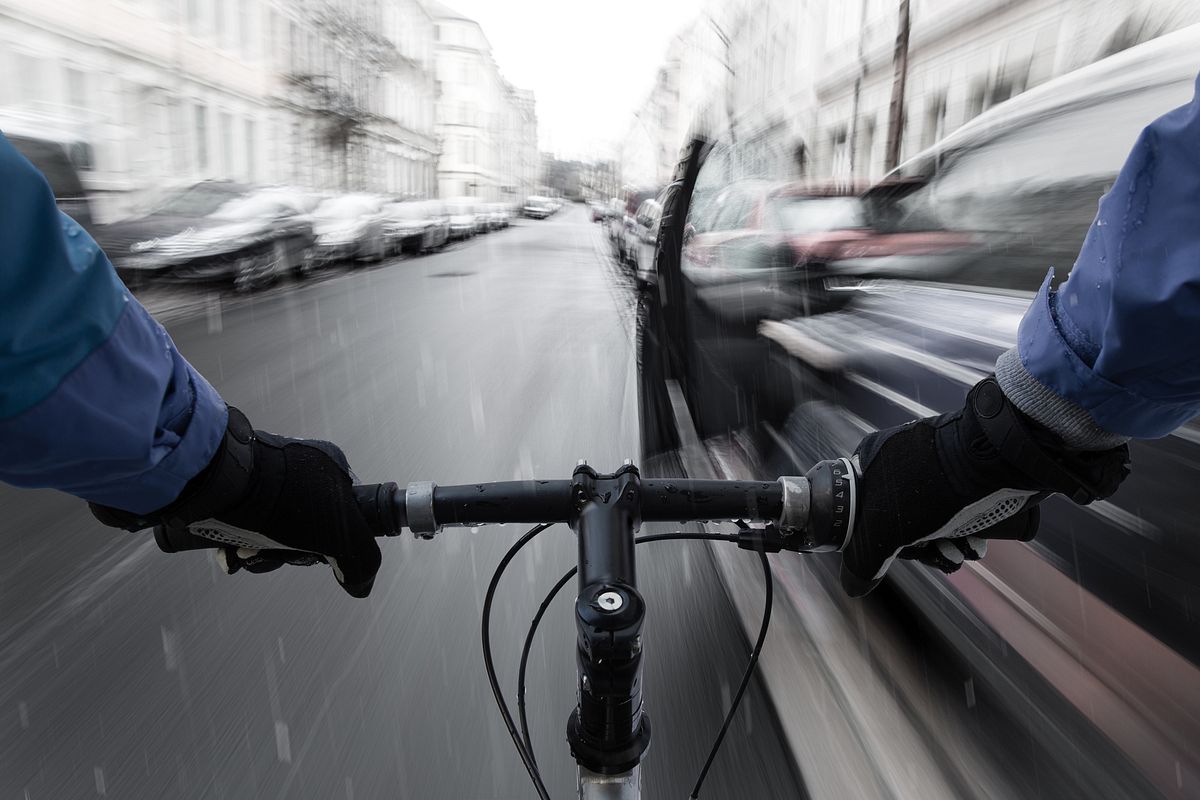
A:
[29, 78]
[177, 134]
[77, 95]
[935, 120]
[247, 25]
[195, 16]
[251, 151]
[731, 211]
[228, 167]
[200, 131]
[220, 23]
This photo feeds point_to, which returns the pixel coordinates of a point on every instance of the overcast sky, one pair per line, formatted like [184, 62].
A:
[589, 62]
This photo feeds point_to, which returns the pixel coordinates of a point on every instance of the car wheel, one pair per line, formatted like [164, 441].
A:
[260, 269]
[305, 263]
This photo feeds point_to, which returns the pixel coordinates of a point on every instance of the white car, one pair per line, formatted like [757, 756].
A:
[350, 226]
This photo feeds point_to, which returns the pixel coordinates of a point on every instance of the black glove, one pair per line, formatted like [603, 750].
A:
[265, 500]
[936, 489]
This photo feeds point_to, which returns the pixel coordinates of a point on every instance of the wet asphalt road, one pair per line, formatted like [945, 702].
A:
[128, 673]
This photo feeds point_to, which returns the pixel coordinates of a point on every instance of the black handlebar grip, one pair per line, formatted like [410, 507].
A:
[383, 506]
[177, 540]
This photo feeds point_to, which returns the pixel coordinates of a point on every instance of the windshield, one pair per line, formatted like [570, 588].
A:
[254, 207]
[346, 208]
[818, 214]
[407, 211]
[199, 200]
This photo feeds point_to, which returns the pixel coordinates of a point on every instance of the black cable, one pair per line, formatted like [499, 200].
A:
[537, 619]
[533, 626]
[737, 698]
[490, 667]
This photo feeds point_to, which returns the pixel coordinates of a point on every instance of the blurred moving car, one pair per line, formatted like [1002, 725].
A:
[215, 231]
[461, 213]
[538, 207]
[596, 211]
[1085, 637]
[350, 227]
[414, 226]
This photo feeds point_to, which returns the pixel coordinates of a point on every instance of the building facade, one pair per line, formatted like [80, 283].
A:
[325, 95]
[804, 87]
[487, 128]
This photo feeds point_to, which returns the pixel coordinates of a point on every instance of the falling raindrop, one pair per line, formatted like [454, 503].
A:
[283, 744]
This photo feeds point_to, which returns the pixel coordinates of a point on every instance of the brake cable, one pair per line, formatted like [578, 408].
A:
[490, 667]
[746, 674]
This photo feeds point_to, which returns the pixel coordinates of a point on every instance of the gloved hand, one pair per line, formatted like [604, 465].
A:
[936, 489]
[265, 500]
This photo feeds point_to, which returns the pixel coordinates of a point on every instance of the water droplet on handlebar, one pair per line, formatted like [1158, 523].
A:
[474, 529]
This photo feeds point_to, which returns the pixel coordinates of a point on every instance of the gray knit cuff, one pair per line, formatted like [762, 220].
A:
[1071, 422]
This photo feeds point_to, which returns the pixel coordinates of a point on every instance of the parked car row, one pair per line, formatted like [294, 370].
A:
[538, 207]
[779, 344]
[221, 231]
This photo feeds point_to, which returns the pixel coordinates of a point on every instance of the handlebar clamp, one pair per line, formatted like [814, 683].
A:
[418, 502]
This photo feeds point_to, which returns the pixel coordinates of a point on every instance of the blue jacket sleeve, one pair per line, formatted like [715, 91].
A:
[94, 398]
[1118, 343]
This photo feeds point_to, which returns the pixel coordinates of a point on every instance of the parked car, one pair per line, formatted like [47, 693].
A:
[498, 215]
[350, 227]
[538, 207]
[411, 226]
[214, 231]
[439, 229]
[53, 160]
[461, 214]
[1085, 636]
[596, 211]
[758, 250]
[640, 239]
[614, 211]
[621, 226]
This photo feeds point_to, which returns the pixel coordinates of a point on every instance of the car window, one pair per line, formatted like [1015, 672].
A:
[803, 215]
[254, 207]
[733, 211]
[346, 208]
[1031, 194]
[51, 159]
[406, 210]
[199, 200]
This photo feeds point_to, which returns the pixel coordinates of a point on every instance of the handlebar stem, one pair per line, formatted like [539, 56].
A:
[608, 731]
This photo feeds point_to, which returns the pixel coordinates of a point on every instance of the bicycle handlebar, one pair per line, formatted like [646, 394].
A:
[425, 508]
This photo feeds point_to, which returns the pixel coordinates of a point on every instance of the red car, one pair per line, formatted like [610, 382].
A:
[756, 250]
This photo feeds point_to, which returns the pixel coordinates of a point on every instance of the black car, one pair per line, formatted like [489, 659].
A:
[1084, 636]
[55, 163]
[214, 231]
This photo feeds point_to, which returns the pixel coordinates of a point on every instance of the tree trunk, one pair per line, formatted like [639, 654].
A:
[900, 76]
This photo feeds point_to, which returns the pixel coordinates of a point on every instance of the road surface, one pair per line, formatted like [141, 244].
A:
[128, 673]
